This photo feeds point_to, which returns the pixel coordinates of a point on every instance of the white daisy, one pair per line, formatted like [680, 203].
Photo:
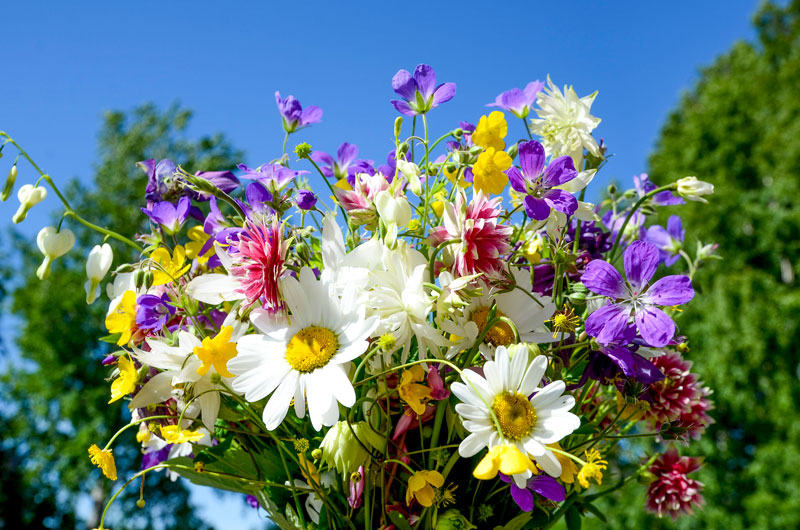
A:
[306, 358]
[528, 422]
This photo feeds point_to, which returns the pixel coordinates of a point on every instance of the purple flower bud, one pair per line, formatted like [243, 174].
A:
[109, 359]
[306, 200]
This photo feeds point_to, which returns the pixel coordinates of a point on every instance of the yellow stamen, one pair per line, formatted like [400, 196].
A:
[311, 348]
[103, 459]
[592, 469]
[501, 333]
[515, 415]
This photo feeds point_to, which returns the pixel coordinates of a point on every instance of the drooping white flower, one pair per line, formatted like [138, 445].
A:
[565, 124]
[692, 189]
[29, 197]
[53, 244]
[97, 265]
[411, 172]
[529, 423]
[393, 209]
[306, 358]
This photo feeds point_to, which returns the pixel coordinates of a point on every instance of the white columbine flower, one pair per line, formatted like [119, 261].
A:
[307, 358]
[28, 198]
[692, 189]
[529, 423]
[97, 265]
[565, 123]
[52, 244]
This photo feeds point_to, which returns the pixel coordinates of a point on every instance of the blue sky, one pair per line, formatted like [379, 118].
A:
[64, 64]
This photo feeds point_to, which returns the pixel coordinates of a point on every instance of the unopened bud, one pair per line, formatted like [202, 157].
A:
[402, 148]
[148, 279]
[513, 150]
[138, 279]
[612, 189]
[302, 150]
[8, 188]
[683, 347]
[125, 267]
[450, 167]
[398, 125]
[140, 503]
[316, 454]
[458, 133]
[629, 194]
[302, 250]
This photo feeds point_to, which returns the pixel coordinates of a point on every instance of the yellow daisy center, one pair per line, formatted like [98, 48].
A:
[515, 414]
[501, 333]
[311, 348]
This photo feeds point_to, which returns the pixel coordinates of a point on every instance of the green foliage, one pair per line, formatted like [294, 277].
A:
[739, 129]
[55, 401]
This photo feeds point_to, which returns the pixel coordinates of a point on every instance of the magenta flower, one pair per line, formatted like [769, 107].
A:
[419, 92]
[669, 241]
[294, 116]
[681, 396]
[673, 493]
[635, 298]
[258, 264]
[538, 183]
[519, 102]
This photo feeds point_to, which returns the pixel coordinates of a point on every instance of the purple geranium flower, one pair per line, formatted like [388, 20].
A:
[224, 180]
[154, 312]
[159, 178]
[170, 216]
[518, 101]
[345, 165]
[537, 183]
[153, 458]
[669, 241]
[634, 229]
[294, 116]
[390, 167]
[273, 176]
[544, 485]
[306, 199]
[635, 298]
[419, 92]
[665, 198]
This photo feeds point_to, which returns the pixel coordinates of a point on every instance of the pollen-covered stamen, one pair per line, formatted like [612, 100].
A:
[564, 322]
[515, 415]
[500, 334]
[311, 348]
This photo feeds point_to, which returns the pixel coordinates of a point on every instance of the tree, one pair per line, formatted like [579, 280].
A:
[738, 129]
[57, 398]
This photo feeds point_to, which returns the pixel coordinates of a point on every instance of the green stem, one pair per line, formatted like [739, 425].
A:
[612, 255]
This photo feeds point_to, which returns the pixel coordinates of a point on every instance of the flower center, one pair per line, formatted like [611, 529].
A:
[311, 348]
[500, 334]
[515, 414]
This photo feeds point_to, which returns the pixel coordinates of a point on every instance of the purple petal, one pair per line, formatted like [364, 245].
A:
[513, 100]
[346, 154]
[622, 357]
[403, 108]
[536, 208]
[183, 208]
[444, 93]
[311, 114]
[658, 236]
[646, 372]
[547, 487]
[602, 278]
[641, 261]
[306, 199]
[655, 327]
[532, 89]
[426, 80]
[560, 170]
[405, 86]
[224, 180]
[561, 200]
[523, 497]
[675, 228]
[516, 179]
[670, 290]
[607, 323]
[531, 158]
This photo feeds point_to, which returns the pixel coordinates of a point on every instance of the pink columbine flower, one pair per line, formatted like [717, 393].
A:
[673, 492]
[259, 263]
[679, 396]
[483, 240]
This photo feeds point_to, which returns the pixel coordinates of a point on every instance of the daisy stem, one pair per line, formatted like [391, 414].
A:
[613, 254]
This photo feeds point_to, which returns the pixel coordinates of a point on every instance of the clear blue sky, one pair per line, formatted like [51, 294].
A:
[64, 64]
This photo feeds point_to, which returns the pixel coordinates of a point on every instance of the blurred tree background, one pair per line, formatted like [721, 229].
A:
[739, 128]
[55, 397]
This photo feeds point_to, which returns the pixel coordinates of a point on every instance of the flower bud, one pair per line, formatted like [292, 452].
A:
[692, 189]
[12, 178]
[52, 244]
[302, 150]
[138, 279]
[398, 125]
[513, 150]
[29, 197]
[612, 189]
[458, 133]
[316, 454]
[140, 503]
[342, 451]
[97, 265]
[402, 148]
[450, 167]
[707, 252]
[411, 172]
[148, 279]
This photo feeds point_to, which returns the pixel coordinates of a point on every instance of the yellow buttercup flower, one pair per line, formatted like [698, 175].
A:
[168, 267]
[198, 240]
[125, 383]
[490, 131]
[123, 319]
[343, 184]
[507, 459]
[456, 176]
[488, 171]
[438, 205]
[217, 352]
[175, 435]
[103, 459]
[568, 467]
[419, 487]
[414, 394]
[592, 469]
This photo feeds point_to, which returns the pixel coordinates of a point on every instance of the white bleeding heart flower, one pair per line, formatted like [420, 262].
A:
[53, 244]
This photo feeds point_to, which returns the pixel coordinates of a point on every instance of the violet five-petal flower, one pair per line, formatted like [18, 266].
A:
[544, 485]
[345, 165]
[154, 312]
[419, 91]
[294, 116]
[170, 216]
[538, 183]
[273, 176]
[669, 241]
[519, 101]
[635, 298]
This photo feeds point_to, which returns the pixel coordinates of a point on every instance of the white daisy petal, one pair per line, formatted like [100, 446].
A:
[278, 404]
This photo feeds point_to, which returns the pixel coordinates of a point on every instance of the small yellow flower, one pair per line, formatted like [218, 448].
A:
[507, 459]
[103, 459]
[564, 321]
[217, 352]
[193, 248]
[125, 383]
[414, 394]
[568, 467]
[488, 171]
[438, 205]
[490, 131]
[593, 469]
[343, 184]
[419, 487]
[175, 435]
[123, 318]
[457, 175]
[168, 268]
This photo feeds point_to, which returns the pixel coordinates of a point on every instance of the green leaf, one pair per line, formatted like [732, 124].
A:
[399, 521]
[573, 518]
[595, 511]
[517, 523]
[111, 339]
[274, 512]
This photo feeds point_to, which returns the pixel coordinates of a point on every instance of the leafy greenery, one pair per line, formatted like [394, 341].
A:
[55, 401]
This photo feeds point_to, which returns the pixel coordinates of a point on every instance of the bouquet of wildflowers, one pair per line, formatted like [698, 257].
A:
[451, 339]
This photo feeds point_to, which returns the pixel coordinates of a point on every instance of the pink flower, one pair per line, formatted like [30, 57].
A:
[259, 263]
[483, 240]
[672, 492]
[359, 201]
[356, 490]
[679, 396]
